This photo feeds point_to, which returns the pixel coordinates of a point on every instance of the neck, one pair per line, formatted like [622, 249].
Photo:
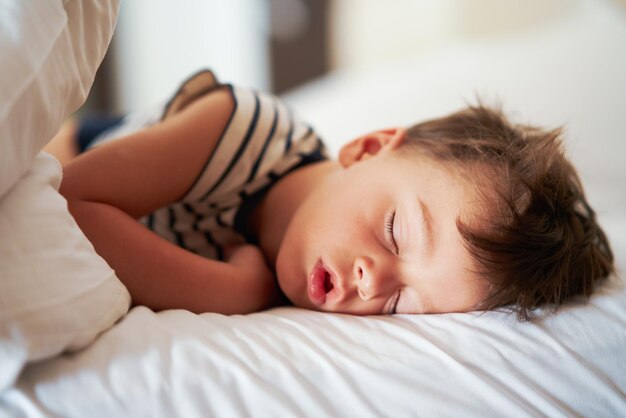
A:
[271, 218]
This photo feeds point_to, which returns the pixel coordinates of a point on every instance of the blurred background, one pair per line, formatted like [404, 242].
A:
[276, 45]
[351, 66]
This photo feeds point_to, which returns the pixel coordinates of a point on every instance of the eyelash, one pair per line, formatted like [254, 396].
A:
[392, 242]
[395, 302]
[389, 231]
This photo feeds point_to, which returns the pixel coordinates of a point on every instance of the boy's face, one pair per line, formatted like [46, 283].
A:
[379, 236]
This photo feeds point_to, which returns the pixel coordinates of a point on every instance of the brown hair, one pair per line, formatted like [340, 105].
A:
[539, 243]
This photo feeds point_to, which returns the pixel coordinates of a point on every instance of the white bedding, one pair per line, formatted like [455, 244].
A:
[56, 293]
[291, 362]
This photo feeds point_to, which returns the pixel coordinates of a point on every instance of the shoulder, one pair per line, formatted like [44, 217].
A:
[250, 111]
[273, 121]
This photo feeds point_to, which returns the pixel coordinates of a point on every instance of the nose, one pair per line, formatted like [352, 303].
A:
[369, 280]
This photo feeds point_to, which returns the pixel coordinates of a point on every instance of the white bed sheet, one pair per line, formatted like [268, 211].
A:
[291, 362]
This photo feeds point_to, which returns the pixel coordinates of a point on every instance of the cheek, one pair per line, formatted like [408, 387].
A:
[331, 222]
[321, 211]
[326, 218]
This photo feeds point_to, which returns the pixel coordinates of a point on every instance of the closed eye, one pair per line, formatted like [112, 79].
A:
[389, 238]
[394, 304]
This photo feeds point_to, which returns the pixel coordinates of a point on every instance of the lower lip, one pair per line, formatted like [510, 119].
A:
[317, 292]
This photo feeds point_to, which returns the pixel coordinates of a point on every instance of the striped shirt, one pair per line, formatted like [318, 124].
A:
[261, 143]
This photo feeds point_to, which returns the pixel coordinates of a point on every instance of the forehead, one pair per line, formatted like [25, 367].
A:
[444, 181]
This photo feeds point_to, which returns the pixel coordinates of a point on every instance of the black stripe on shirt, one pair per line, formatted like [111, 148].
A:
[179, 237]
[306, 135]
[290, 133]
[220, 222]
[197, 217]
[194, 224]
[319, 153]
[218, 248]
[219, 142]
[270, 135]
[151, 221]
[241, 149]
[207, 235]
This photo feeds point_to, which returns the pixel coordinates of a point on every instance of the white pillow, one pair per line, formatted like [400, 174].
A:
[56, 293]
[50, 51]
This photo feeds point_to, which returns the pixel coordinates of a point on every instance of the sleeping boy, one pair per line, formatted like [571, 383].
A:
[222, 201]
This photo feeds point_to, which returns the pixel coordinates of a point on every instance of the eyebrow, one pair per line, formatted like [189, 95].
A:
[426, 225]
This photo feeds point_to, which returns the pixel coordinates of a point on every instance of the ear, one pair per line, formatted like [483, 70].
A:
[371, 144]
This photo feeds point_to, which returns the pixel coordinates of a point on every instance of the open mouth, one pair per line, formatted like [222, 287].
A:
[328, 283]
[320, 283]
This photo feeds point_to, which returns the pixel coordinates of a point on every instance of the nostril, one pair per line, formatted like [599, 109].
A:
[360, 271]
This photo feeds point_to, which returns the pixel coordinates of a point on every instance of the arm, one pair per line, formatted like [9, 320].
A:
[111, 186]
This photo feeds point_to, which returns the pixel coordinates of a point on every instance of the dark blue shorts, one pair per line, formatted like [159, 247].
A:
[90, 127]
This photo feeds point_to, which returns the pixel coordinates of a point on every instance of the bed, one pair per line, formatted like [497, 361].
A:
[70, 346]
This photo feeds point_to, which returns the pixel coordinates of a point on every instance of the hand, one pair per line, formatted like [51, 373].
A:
[250, 258]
